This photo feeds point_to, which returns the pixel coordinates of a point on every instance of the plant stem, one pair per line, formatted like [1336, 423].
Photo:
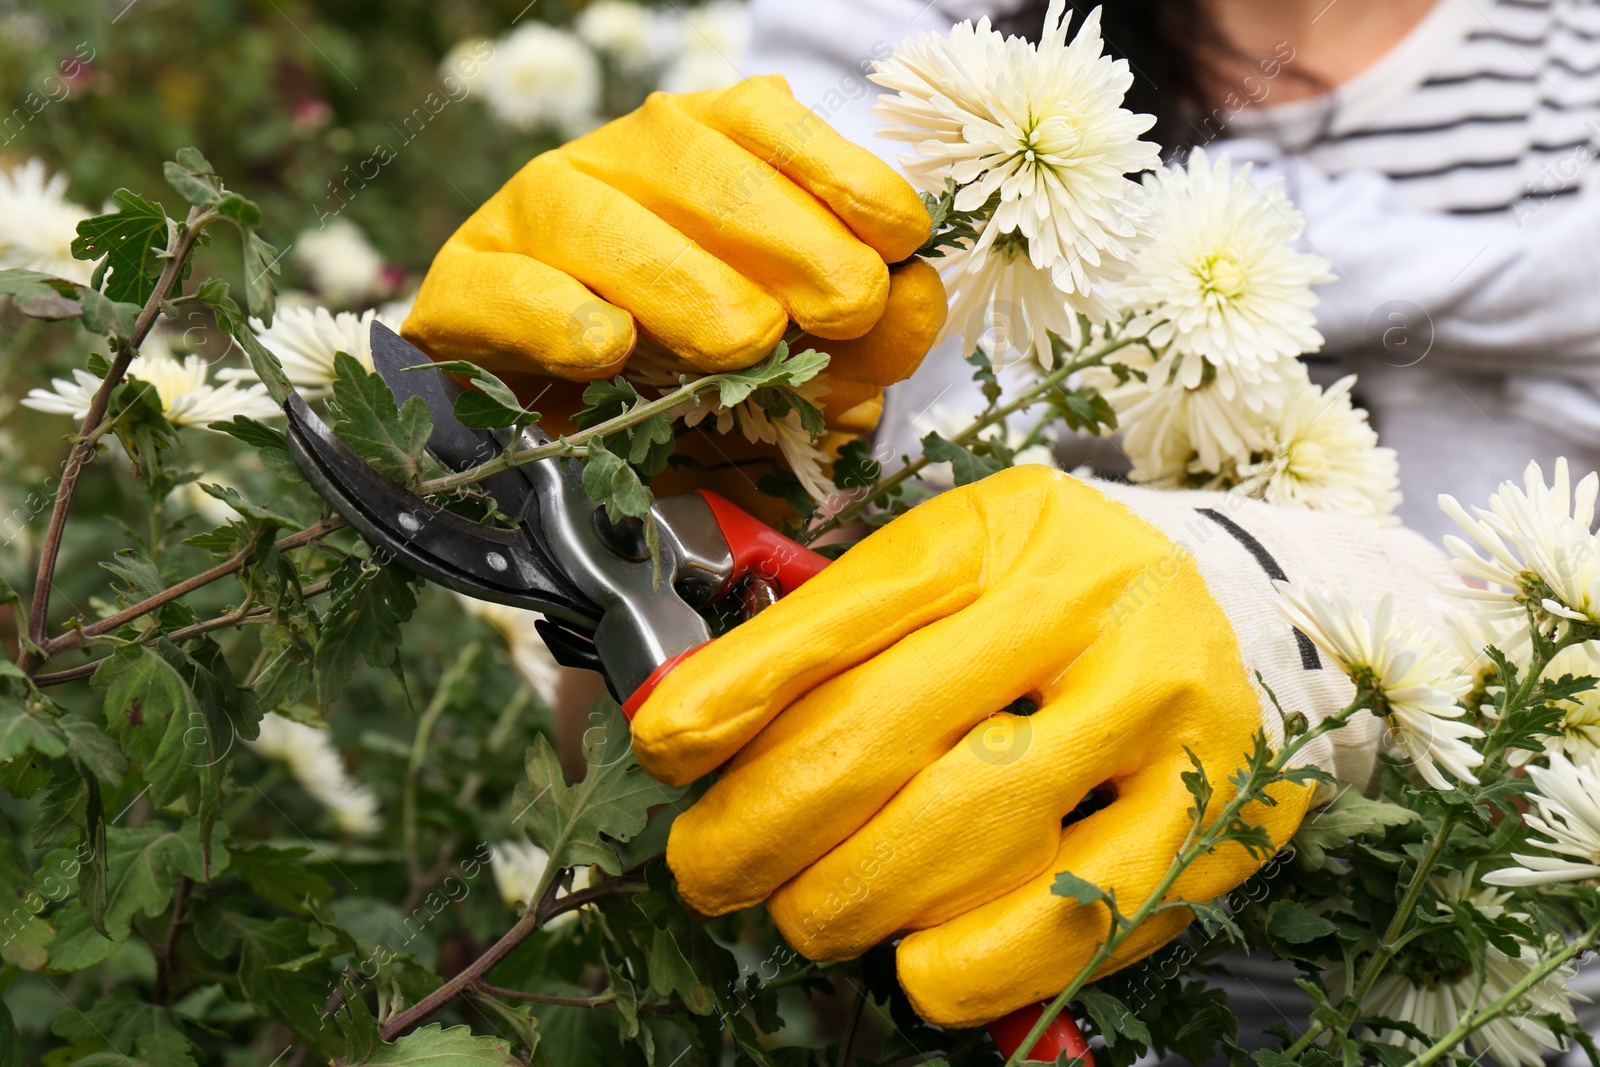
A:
[544, 998]
[1466, 1027]
[169, 943]
[419, 748]
[1198, 843]
[179, 246]
[1032, 395]
[81, 635]
[471, 977]
[571, 444]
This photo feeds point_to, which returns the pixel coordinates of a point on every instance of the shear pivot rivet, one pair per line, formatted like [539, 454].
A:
[497, 561]
[409, 522]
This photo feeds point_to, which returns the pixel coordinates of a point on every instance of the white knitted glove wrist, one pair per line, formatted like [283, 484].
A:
[1242, 545]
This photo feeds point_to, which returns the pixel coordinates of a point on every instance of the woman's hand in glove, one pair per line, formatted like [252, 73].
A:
[705, 221]
[875, 785]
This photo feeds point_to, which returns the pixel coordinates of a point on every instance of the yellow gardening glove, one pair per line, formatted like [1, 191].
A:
[875, 786]
[703, 223]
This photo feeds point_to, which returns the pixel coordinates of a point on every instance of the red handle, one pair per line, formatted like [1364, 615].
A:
[1062, 1035]
[760, 550]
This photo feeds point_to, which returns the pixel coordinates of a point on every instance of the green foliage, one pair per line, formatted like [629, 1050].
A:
[125, 243]
[367, 420]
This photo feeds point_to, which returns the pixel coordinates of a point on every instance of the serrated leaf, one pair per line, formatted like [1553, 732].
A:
[257, 435]
[103, 315]
[610, 481]
[143, 866]
[1348, 816]
[1112, 1017]
[855, 468]
[25, 725]
[123, 1021]
[279, 875]
[235, 500]
[494, 404]
[572, 823]
[127, 240]
[1291, 921]
[192, 177]
[24, 936]
[260, 264]
[392, 441]
[780, 368]
[150, 709]
[39, 295]
[240, 210]
[965, 465]
[92, 750]
[435, 1046]
[1070, 885]
[369, 605]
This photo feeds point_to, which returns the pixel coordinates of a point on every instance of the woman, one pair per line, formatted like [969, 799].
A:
[1439, 150]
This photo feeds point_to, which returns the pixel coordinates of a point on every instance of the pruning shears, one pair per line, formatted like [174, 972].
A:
[607, 606]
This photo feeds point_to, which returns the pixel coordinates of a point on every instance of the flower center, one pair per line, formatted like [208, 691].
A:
[1306, 460]
[1220, 276]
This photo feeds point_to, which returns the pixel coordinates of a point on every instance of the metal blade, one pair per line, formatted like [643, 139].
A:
[455, 445]
[486, 562]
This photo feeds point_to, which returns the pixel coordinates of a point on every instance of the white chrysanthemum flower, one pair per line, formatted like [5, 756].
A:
[1322, 453]
[1002, 304]
[188, 398]
[631, 34]
[1567, 796]
[542, 78]
[1536, 536]
[518, 866]
[319, 768]
[305, 340]
[1418, 682]
[1516, 1039]
[466, 63]
[528, 650]
[38, 223]
[1221, 282]
[1040, 127]
[1470, 632]
[343, 266]
[946, 423]
[393, 313]
[721, 27]
[1174, 434]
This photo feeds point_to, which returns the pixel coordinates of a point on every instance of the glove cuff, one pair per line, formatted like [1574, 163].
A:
[1242, 546]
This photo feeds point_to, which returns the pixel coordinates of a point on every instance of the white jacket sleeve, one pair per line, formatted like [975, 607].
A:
[1500, 295]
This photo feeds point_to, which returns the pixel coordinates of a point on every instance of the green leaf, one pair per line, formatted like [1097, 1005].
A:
[967, 466]
[192, 177]
[1348, 816]
[127, 240]
[143, 866]
[1113, 1018]
[1084, 409]
[257, 435]
[369, 605]
[368, 422]
[1291, 921]
[671, 974]
[435, 1046]
[609, 480]
[1070, 885]
[279, 875]
[39, 295]
[493, 406]
[24, 936]
[855, 468]
[106, 316]
[260, 264]
[264, 362]
[139, 576]
[780, 368]
[241, 211]
[10, 1040]
[150, 710]
[25, 725]
[234, 499]
[127, 1024]
[92, 750]
[572, 823]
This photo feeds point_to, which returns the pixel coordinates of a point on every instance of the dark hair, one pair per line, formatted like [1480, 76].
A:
[1171, 46]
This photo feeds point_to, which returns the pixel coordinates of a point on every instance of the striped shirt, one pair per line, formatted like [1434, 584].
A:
[1485, 107]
